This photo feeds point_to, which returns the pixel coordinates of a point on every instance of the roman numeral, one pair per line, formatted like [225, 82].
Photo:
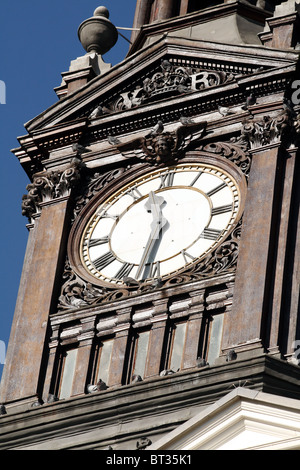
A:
[166, 180]
[135, 193]
[196, 178]
[109, 216]
[124, 271]
[186, 255]
[104, 260]
[216, 189]
[221, 209]
[154, 269]
[98, 241]
[211, 234]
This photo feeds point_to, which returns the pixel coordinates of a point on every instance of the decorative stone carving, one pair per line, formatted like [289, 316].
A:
[235, 150]
[159, 147]
[94, 183]
[221, 260]
[49, 186]
[76, 293]
[269, 130]
[170, 80]
[142, 443]
[297, 126]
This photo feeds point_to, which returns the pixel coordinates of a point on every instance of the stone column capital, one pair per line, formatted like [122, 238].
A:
[49, 187]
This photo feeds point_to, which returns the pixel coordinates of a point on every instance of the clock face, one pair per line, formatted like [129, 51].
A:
[160, 223]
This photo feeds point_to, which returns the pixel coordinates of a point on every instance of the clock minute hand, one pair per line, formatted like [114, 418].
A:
[154, 205]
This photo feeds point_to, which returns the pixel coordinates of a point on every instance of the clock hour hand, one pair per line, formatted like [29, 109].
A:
[154, 205]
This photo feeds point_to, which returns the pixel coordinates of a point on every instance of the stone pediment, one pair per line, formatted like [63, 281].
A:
[242, 420]
[170, 69]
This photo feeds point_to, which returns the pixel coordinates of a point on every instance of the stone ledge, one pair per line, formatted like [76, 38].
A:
[121, 415]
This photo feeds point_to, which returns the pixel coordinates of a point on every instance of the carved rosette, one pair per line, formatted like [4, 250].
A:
[47, 187]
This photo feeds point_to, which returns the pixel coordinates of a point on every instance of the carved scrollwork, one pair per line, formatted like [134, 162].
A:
[235, 150]
[49, 186]
[222, 259]
[94, 183]
[76, 293]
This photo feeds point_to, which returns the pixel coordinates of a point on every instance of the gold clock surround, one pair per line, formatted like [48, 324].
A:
[127, 180]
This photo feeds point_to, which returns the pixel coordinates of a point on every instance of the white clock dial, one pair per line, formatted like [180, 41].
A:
[160, 223]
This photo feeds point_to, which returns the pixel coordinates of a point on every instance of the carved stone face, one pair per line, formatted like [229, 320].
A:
[162, 145]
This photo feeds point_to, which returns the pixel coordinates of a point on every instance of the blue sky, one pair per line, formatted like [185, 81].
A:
[38, 40]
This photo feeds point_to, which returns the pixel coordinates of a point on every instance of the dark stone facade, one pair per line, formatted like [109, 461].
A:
[227, 104]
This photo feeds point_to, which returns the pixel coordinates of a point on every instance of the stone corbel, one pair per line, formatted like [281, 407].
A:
[48, 187]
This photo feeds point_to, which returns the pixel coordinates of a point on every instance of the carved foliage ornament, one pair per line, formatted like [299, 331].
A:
[49, 186]
[283, 128]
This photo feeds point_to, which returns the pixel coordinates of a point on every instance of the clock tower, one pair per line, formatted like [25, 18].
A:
[162, 267]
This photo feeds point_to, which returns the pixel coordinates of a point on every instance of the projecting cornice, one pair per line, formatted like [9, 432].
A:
[164, 82]
[234, 22]
[241, 60]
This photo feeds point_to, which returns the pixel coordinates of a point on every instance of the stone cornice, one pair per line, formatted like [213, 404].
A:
[35, 147]
[135, 65]
[144, 401]
[196, 18]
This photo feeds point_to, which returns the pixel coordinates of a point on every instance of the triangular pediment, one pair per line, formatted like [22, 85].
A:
[242, 420]
[170, 68]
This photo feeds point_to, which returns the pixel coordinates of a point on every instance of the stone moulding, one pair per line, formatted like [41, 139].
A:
[187, 85]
